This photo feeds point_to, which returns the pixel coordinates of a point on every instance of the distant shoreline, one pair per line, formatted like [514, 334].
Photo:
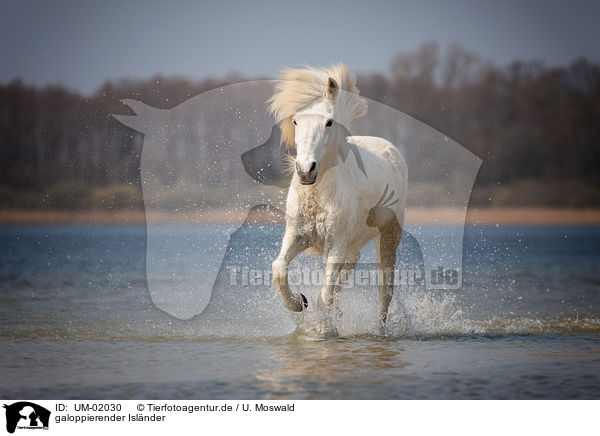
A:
[475, 216]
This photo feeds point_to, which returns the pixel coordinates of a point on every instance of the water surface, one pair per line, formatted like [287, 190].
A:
[77, 321]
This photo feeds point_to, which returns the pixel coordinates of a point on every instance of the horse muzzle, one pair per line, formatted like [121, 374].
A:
[308, 180]
[307, 177]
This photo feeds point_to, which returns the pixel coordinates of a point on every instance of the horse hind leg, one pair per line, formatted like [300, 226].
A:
[386, 245]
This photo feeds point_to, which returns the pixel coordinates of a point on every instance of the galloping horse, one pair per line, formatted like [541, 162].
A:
[345, 190]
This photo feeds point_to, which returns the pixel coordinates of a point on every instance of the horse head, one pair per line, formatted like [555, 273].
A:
[315, 108]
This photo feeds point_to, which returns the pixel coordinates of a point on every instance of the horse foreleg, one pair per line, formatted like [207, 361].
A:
[347, 269]
[291, 246]
[386, 245]
[333, 267]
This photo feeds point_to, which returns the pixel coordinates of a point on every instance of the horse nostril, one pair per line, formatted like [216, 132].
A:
[312, 167]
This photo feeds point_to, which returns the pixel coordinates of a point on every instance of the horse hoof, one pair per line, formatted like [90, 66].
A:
[304, 301]
[297, 303]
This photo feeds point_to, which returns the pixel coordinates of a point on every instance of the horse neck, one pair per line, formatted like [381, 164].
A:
[333, 187]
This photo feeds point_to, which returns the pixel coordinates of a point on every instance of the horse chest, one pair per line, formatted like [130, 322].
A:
[314, 221]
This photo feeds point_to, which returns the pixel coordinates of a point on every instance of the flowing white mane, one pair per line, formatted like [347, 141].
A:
[297, 88]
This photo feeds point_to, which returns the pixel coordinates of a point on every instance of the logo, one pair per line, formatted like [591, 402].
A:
[26, 415]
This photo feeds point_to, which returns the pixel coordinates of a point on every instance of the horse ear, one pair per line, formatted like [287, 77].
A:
[332, 88]
[144, 117]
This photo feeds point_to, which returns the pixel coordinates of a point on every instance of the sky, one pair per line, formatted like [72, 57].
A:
[81, 44]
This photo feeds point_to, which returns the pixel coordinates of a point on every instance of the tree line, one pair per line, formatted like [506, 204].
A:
[536, 127]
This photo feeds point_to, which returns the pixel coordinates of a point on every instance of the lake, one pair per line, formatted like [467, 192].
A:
[78, 321]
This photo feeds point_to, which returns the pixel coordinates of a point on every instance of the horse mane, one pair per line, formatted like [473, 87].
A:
[299, 87]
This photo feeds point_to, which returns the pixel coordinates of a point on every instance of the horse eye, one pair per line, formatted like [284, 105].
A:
[329, 123]
[295, 123]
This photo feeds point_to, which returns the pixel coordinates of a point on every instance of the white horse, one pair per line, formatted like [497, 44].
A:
[345, 190]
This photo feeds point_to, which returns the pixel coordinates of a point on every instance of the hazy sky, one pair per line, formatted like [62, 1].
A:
[83, 43]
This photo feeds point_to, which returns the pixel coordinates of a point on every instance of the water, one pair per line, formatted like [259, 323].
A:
[77, 321]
